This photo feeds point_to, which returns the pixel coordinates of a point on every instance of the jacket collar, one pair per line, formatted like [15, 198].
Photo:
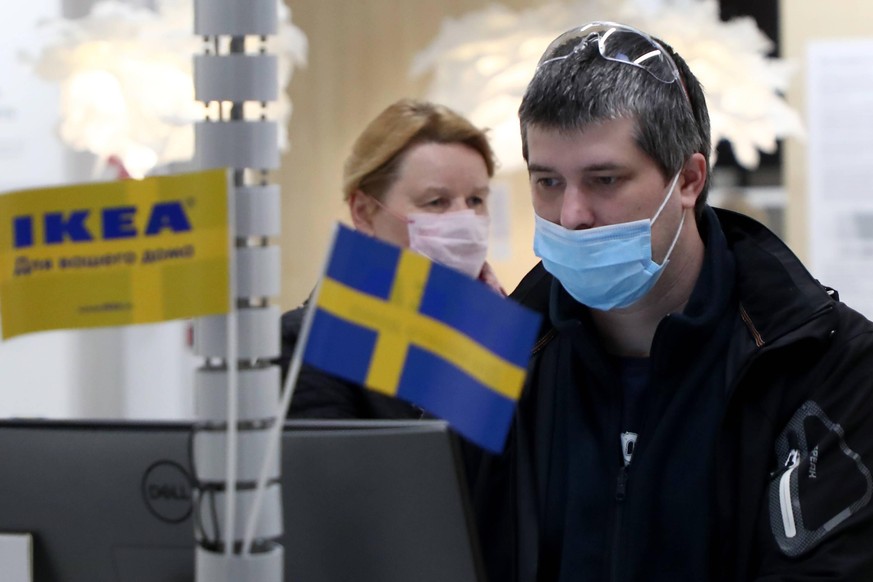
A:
[713, 293]
[777, 294]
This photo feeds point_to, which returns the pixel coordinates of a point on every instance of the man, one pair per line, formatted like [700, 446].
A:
[698, 407]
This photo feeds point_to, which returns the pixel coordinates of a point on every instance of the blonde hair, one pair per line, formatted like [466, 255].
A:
[378, 152]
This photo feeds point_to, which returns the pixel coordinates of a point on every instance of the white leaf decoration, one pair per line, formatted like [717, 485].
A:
[126, 78]
[481, 63]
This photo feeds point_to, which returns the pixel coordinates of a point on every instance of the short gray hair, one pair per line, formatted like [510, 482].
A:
[585, 89]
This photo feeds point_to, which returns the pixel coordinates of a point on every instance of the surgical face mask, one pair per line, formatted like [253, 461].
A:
[606, 267]
[458, 240]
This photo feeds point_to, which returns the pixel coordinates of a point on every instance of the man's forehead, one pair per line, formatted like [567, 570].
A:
[605, 143]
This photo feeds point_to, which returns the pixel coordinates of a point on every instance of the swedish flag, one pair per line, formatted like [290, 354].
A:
[391, 320]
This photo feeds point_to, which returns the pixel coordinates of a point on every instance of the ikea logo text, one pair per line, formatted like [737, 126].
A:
[115, 223]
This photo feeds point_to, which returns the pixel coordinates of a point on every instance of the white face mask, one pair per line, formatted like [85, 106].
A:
[458, 240]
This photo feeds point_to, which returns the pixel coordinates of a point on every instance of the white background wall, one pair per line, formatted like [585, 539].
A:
[35, 371]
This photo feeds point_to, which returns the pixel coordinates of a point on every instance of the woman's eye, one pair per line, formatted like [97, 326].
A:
[437, 203]
[475, 201]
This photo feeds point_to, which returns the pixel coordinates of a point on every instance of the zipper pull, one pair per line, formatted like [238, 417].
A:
[790, 462]
[628, 444]
[621, 484]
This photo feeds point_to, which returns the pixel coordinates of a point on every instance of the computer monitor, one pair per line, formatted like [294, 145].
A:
[379, 501]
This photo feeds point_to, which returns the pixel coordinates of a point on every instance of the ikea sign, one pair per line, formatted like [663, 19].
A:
[122, 252]
[118, 222]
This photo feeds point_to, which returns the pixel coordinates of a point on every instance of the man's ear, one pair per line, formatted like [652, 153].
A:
[362, 208]
[692, 179]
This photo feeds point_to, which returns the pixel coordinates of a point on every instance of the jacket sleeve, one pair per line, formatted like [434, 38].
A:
[816, 518]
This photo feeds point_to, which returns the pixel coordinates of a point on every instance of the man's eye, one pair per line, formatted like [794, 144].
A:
[606, 180]
[548, 182]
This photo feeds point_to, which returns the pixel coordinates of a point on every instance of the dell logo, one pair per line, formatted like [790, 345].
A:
[176, 491]
[166, 491]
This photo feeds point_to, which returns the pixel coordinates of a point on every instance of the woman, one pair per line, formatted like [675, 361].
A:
[418, 177]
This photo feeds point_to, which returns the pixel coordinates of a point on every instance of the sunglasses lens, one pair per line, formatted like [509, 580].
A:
[633, 48]
[565, 45]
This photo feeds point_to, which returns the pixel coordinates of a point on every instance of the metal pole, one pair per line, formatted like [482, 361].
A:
[236, 77]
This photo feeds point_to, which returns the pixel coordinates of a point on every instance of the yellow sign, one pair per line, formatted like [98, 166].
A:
[114, 253]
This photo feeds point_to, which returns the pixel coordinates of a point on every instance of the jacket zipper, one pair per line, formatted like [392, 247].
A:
[759, 341]
[620, 494]
[785, 504]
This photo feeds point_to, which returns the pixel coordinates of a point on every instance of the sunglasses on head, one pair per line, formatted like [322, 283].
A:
[619, 43]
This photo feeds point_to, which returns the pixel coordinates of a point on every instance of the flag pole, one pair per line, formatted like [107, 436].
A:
[231, 433]
[288, 391]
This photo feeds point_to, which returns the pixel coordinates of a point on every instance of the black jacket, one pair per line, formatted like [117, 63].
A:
[321, 395]
[755, 462]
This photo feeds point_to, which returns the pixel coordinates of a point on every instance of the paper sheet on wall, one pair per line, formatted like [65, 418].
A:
[840, 167]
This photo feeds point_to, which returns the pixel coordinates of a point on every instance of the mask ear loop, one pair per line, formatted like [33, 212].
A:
[666, 198]
[681, 221]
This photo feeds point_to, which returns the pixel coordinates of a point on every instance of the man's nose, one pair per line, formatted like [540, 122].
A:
[576, 213]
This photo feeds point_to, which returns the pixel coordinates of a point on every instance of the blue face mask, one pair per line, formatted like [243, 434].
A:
[606, 267]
